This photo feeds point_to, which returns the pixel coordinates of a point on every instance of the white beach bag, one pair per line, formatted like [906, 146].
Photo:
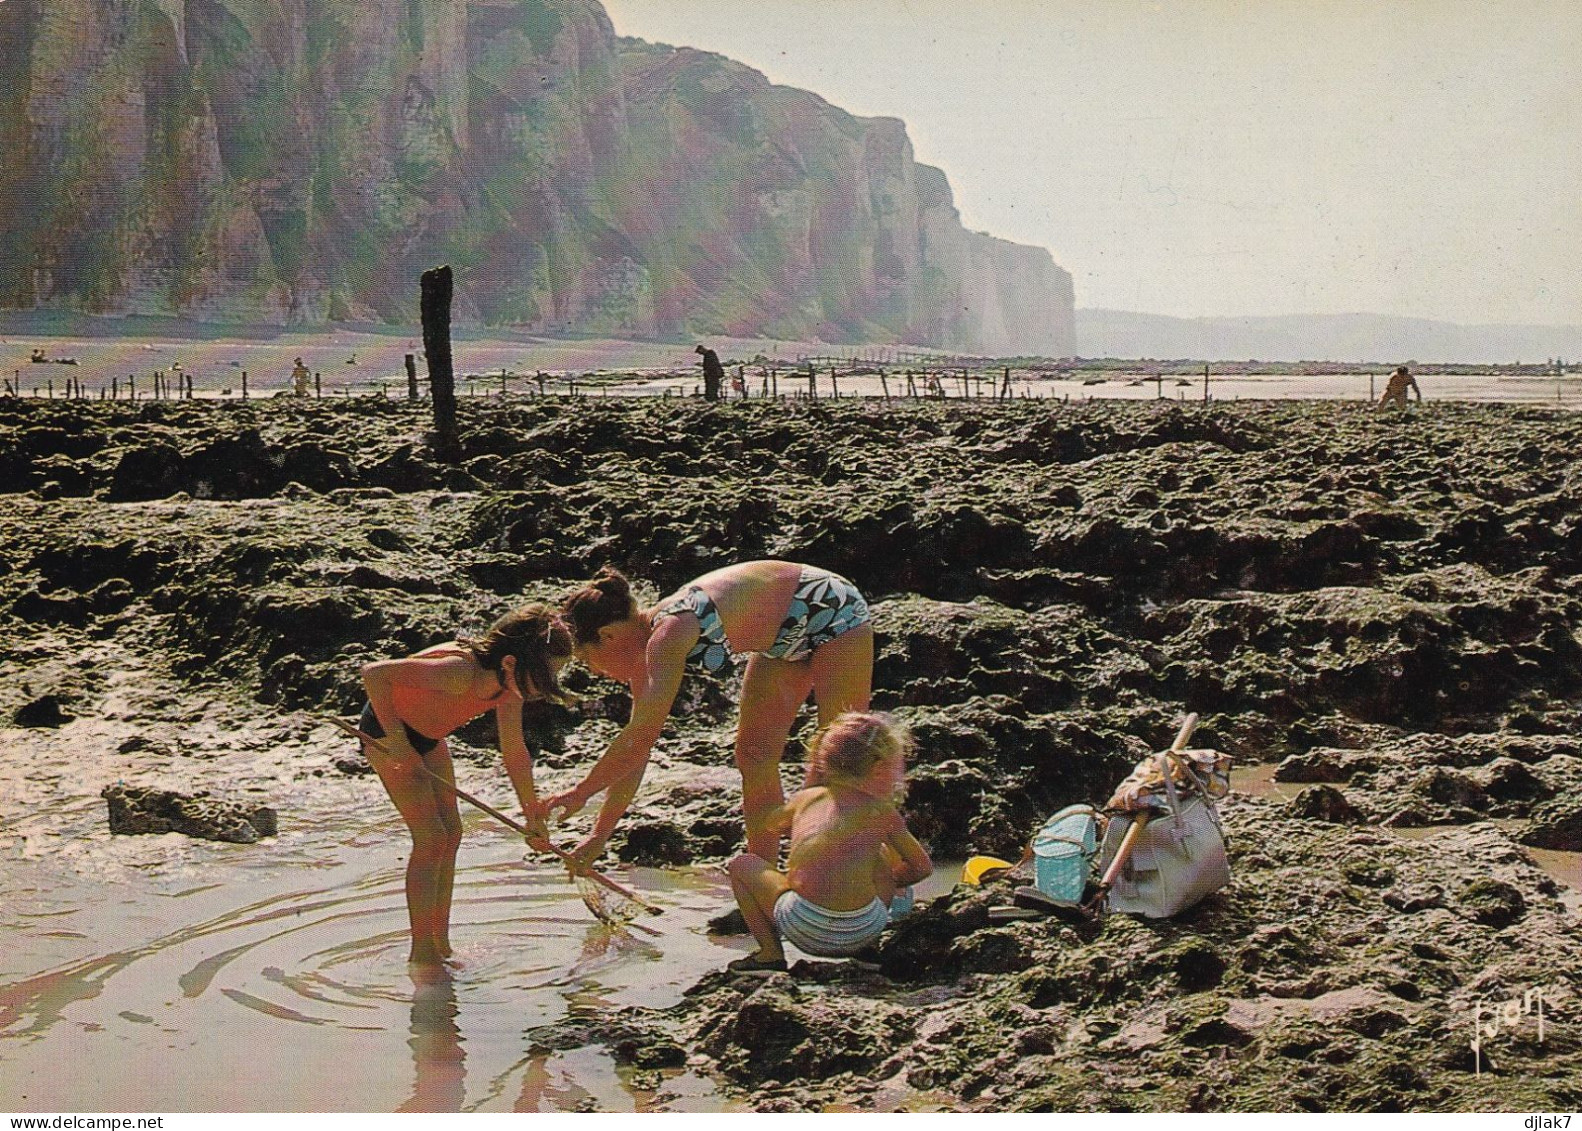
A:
[1179, 857]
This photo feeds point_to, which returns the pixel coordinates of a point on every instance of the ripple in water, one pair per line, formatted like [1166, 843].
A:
[301, 999]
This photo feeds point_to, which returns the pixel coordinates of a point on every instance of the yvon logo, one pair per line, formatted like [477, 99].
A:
[1533, 1010]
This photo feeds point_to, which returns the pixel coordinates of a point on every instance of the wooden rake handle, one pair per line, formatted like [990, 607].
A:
[516, 826]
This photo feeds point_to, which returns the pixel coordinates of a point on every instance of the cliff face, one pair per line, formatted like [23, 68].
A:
[304, 160]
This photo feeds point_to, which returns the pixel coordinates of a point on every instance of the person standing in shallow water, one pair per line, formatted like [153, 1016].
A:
[415, 703]
[1395, 392]
[805, 630]
[713, 373]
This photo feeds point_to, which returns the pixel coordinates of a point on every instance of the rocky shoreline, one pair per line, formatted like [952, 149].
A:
[1384, 607]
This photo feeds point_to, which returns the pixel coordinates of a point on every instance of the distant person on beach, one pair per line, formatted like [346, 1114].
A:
[301, 379]
[1395, 392]
[804, 630]
[713, 373]
[852, 859]
[415, 703]
[739, 385]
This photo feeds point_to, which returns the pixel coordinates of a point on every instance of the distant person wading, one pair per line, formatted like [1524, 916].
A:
[713, 373]
[1395, 392]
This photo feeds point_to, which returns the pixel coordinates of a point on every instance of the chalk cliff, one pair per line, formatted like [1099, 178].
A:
[303, 160]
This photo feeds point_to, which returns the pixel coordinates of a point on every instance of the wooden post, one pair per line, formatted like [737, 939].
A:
[1370, 388]
[834, 383]
[115, 388]
[189, 387]
[1205, 384]
[318, 384]
[774, 384]
[244, 384]
[1005, 390]
[812, 383]
[131, 387]
[502, 382]
[885, 385]
[1159, 384]
[437, 288]
[411, 376]
[911, 385]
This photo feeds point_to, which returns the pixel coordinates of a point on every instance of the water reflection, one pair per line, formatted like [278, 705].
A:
[439, 1062]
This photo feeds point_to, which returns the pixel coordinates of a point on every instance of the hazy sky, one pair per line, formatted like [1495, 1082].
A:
[1210, 157]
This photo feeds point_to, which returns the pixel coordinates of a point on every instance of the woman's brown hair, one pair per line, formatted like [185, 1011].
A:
[534, 634]
[605, 600]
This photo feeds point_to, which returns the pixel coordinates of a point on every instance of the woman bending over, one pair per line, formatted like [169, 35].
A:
[804, 630]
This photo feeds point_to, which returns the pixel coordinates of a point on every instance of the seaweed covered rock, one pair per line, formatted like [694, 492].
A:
[136, 810]
[780, 1030]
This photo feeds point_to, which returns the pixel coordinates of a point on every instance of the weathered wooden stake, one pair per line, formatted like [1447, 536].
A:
[318, 384]
[1205, 384]
[437, 287]
[411, 377]
[244, 384]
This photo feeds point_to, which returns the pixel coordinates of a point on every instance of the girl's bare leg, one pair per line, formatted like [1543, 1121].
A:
[772, 691]
[432, 861]
[758, 884]
[439, 762]
[842, 672]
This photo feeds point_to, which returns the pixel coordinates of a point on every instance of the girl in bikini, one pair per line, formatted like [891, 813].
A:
[415, 703]
[804, 630]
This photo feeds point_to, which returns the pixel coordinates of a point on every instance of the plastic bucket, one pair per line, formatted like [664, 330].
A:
[1062, 851]
[972, 871]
